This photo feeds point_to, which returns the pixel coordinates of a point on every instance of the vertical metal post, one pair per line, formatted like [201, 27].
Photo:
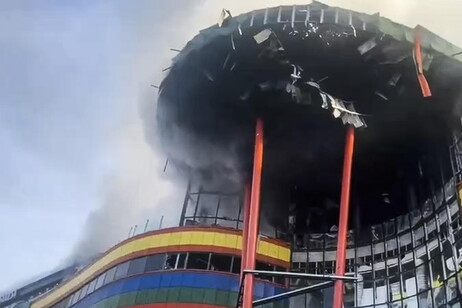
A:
[343, 217]
[245, 227]
[146, 225]
[199, 193]
[185, 203]
[254, 214]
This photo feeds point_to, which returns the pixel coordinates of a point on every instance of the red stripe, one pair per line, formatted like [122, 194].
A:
[174, 305]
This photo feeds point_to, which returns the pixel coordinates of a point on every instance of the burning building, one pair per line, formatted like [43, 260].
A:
[328, 133]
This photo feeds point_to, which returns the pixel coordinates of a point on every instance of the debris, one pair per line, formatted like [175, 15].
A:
[324, 105]
[322, 79]
[154, 86]
[367, 46]
[224, 15]
[394, 79]
[381, 95]
[209, 76]
[427, 59]
[174, 49]
[262, 36]
[226, 61]
[296, 73]
[354, 30]
[233, 66]
[239, 29]
[232, 42]
[166, 69]
[313, 84]
[245, 96]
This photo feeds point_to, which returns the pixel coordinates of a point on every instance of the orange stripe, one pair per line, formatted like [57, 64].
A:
[418, 59]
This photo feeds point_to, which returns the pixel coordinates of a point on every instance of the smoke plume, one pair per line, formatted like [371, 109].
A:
[138, 189]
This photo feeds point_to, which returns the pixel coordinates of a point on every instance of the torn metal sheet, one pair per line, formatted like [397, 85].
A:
[224, 15]
[313, 84]
[262, 36]
[296, 72]
[367, 46]
[427, 59]
[324, 105]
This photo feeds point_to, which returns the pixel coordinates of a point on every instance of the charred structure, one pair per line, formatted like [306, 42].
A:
[311, 73]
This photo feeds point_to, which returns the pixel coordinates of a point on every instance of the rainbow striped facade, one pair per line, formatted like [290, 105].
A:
[127, 275]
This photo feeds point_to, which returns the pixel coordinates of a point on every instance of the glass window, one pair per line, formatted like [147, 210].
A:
[122, 270]
[100, 281]
[181, 262]
[75, 297]
[136, 266]
[154, 262]
[198, 260]
[83, 292]
[280, 280]
[236, 265]
[91, 286]
[221, 263]
[71, 300]
[260, 266]
[170, 262]
[110, 275]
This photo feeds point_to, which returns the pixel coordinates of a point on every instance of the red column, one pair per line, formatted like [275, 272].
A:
[343, 217]
[254, 214]
[245, 227]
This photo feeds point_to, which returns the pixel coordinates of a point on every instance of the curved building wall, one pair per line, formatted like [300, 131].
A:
[192, 266]
[412, 261]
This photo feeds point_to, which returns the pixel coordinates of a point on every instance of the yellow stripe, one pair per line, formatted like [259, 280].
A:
[174, 238]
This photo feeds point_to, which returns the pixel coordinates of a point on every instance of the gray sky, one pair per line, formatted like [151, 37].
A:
[73, 153]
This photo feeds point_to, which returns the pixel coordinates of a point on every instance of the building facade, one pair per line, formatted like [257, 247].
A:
[177, 267]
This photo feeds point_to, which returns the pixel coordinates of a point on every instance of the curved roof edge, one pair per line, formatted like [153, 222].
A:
[373, 23]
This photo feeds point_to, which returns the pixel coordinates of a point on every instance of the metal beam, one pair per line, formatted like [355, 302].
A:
[343, 217]
[251, 251]
[291, 293]
[300, 275]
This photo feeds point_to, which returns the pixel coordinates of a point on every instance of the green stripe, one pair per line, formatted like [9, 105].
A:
[175, 295]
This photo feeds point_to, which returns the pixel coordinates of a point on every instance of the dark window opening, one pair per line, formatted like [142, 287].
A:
[170, 262]
[181, 261]
[221, 263]
[198, 260]
[236, 265]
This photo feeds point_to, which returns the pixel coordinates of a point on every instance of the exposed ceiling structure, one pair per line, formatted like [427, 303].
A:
[308, 71]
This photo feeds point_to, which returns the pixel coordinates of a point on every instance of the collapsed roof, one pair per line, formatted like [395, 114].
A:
[302, 68]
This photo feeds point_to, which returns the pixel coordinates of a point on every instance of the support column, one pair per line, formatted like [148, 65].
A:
[343, 217]
[245, 227]
[254, 215]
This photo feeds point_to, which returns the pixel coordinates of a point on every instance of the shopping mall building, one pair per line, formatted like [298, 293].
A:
[356, 194]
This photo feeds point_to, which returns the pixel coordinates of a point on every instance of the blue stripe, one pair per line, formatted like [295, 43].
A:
[206, 280]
